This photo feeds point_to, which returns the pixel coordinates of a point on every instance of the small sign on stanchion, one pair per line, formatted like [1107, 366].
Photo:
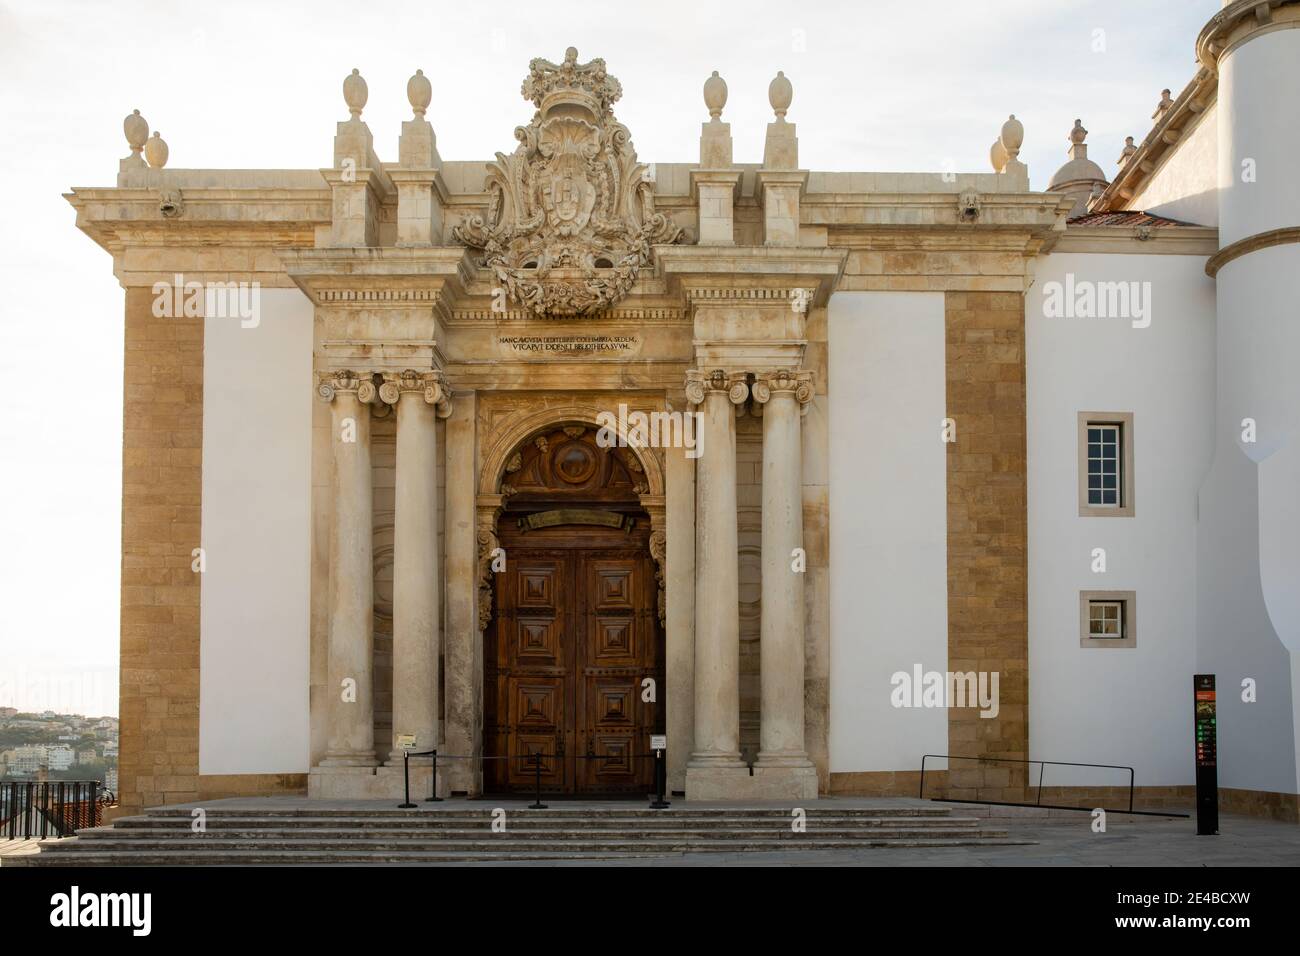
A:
[406, 743]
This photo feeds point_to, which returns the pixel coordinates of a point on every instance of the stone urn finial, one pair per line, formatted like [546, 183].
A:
[1078, 134]
[420, 92]
[1013, 136]
[780, 93]
[155, 151]
[136, 130]
[355, 93]
[715, 95]
[998, 156]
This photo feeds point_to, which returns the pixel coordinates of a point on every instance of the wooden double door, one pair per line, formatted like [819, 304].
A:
[573, 663]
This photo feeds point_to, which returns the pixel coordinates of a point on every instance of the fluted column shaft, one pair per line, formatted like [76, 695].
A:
[416, 579]
[781, 651]
[717, 605]
[351, 621]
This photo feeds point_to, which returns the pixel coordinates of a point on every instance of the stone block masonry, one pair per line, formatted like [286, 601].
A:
[162, 473]
[987, 534]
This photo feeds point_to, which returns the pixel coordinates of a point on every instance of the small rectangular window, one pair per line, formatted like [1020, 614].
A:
[1105, 464]
[1108, 619]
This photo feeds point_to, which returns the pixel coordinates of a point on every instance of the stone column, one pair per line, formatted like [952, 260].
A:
[351, 622]
[417, 581]
[781, 739]
[717, 605]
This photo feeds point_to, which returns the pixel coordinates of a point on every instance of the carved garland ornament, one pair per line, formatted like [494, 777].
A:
[571, 218]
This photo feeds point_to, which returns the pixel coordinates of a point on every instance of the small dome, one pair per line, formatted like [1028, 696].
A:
[1080, 178]
[1082, 169]
[1079, 169]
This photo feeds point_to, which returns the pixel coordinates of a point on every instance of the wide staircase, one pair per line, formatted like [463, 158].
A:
[479, 832]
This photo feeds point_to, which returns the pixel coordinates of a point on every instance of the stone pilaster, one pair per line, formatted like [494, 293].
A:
[351, 625]
[464, 644]
[988, 568]
[679, 622]
[717, 623]
[783, 394]
[417, 582]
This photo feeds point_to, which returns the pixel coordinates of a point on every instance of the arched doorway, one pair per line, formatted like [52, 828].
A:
[574, 651]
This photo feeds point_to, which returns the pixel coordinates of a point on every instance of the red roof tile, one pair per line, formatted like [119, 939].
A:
[1125, 218]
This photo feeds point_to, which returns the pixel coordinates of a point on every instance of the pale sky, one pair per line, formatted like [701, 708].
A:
[879, 85]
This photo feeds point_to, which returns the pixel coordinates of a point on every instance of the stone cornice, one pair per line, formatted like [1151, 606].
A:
[751, 273]
[222, 219]
[1239, 21]
[381, 277]
[1262, 240]
[375, 178]
[433, 177]
[1163, 240]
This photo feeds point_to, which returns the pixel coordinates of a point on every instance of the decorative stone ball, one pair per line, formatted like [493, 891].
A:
[355, 92]
[1013, 135]
[1078, 134]
[155, 152]
[998, 156]
[715, 94]
[780, 93]
[136, 130]
[420, 92]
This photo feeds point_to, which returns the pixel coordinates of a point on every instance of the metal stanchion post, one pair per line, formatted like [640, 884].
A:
[661, 778]
[537, 781]
[433, 782]
[406, 780]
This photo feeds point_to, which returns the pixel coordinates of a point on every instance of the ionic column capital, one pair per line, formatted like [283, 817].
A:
[700, 383]
[346, 381]
[431, 386]
[799, 382]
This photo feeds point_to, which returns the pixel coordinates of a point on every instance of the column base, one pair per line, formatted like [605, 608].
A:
[353, 759]
[766, 783]
[797, 758]
[371, 783]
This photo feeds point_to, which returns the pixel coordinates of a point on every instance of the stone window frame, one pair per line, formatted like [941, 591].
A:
[1126, 465]
[1128, 600]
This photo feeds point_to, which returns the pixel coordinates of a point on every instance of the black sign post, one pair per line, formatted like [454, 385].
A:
[1207, 759]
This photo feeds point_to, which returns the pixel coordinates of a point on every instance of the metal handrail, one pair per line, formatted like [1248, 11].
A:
[1042, 768]
[54, 808]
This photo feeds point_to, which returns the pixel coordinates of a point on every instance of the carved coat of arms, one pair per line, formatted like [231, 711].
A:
[571, 218]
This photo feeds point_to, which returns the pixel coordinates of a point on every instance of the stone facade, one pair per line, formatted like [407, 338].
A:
[463, 310]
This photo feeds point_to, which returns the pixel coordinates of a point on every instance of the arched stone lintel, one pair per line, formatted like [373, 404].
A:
[512, 434]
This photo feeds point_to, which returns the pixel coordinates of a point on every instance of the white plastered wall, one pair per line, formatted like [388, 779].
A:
[888, 524]
[254, 618]
[1100, 704]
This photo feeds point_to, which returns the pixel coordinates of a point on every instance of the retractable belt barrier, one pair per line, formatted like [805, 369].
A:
[658, 756]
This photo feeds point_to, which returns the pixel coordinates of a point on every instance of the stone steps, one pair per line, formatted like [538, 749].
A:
[342, 839]
[518, 823]
[305, 835]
